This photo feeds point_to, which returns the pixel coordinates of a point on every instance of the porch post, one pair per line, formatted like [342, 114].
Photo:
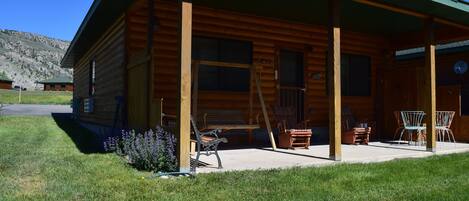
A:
[430, 84]
[184, 86]
[335, 110]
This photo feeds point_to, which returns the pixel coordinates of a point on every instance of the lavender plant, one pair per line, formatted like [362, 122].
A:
[153, 150]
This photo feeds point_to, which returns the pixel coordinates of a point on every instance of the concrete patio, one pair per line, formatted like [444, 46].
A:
[317, 155]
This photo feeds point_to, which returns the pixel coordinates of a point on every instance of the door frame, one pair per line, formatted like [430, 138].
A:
[300, 49]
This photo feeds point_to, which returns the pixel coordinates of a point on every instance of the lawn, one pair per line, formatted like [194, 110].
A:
[42, 162]
[36, 97]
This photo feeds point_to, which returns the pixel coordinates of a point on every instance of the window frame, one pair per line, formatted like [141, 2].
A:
[220, 70]
[92, 78]
[464, 97]
[370, 73]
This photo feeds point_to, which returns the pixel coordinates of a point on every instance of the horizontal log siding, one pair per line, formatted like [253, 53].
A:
[267, 35]
[109, 53]
[5, 85]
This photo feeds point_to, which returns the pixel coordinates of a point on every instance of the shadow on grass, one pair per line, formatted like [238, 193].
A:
[86, 141]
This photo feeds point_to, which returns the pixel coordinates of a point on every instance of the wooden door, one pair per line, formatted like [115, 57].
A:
[448, 98]
[137, 91]
[400, 92]
[291, 85]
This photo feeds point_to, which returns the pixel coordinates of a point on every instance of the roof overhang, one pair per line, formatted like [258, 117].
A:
[355, 16]
[99, 18]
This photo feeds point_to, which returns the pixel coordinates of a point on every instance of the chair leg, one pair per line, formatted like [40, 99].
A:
[450, 132]
[400, 138]
[409, 137]
[218, 158]
[198, 156]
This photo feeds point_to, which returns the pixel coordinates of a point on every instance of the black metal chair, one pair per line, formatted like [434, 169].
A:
[207, 142]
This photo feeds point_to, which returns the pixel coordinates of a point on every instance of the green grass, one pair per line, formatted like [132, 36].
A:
[39, 161]
[36, 97]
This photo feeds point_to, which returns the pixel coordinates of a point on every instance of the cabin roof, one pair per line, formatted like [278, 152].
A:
[57, 80]
[355, 16]
[4, 77]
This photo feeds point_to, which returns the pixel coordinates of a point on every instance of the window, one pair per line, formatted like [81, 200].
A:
[63, 86]
[92, 78]
[52, 86]
[217, 78]
[355, 75]
[291, 68]
[465, 102]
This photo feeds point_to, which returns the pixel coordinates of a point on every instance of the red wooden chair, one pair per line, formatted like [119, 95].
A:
[353, 132]
[292, 133]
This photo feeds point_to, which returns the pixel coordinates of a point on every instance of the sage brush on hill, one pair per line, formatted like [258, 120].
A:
[153, 150]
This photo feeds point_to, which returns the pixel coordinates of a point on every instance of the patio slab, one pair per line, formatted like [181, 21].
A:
[318, 155]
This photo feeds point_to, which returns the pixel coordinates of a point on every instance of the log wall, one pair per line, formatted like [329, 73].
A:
[5, 85]
[267, 36]
[109, 54]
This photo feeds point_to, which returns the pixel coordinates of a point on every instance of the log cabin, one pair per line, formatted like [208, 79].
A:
[5, 82]
[134, 60]
[58, 83]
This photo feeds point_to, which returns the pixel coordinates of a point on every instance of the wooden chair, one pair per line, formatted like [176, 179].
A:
[292, 134]
[354, 132]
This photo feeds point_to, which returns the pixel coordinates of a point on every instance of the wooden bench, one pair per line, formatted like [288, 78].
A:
[228, 120]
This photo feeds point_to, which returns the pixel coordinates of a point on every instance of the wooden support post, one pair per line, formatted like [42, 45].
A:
[184, 86]
[335, 110]
[264, 108]
[430, 84]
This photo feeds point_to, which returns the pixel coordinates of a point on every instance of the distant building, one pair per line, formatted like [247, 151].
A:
[5, 82]
[60, 83]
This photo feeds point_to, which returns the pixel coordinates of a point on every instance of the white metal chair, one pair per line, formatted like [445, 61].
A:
[443, 125]
[412, 124]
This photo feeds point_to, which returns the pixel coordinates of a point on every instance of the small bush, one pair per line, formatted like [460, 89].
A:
[152, 151]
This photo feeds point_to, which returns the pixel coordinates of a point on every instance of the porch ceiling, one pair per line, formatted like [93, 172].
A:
[354, 16]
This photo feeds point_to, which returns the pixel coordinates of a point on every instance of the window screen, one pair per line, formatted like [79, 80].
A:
[222, 50]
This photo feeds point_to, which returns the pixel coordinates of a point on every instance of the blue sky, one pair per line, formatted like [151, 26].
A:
[53, 18]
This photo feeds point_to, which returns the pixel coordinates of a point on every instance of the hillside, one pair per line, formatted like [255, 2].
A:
[27, 57]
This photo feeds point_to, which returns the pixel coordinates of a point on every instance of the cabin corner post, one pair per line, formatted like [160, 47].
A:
[335, 105]
[430, 84]
[184, 85]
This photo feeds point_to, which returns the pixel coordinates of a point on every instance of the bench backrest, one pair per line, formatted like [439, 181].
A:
[233, 117]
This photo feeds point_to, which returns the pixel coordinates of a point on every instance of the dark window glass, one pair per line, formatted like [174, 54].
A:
[291, 67]
[52, 86]
[465, 102]
[222, 50]
[92, 78]
[355, 75]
